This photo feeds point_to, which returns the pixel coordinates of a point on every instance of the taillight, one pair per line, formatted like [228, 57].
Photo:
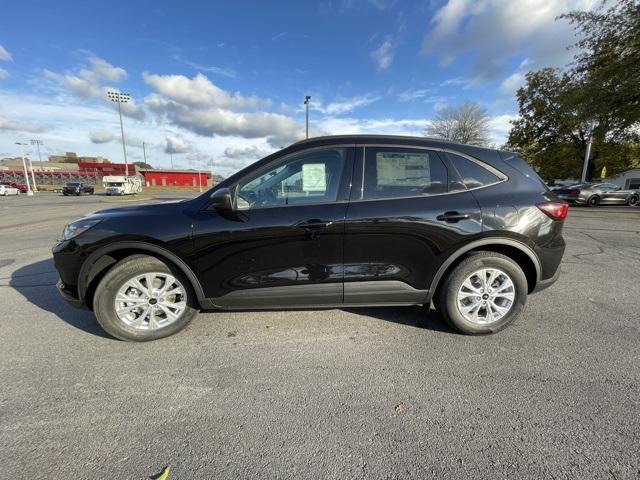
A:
[555, 210]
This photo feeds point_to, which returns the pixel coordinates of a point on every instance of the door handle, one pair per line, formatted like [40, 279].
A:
[452, 217]
[314, 224]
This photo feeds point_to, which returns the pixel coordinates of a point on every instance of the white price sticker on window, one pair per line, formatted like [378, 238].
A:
[314, 177]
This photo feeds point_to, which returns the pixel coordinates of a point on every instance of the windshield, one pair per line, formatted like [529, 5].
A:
[114, 184]
[73, 184]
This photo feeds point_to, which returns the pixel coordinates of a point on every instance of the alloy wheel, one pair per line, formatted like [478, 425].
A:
[150, 301]
[486, 296]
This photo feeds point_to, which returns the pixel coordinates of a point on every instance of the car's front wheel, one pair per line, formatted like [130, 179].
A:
[633, 200]
[143, 298]
[593, 201]
[483, 294]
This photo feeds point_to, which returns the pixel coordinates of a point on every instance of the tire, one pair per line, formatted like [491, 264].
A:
[448, 297]
[104, 302]
[593, 201]
[633, 200]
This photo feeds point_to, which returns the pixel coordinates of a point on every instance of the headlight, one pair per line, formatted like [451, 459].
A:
[78, 227]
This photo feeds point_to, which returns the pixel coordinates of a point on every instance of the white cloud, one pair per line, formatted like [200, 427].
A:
[383, 55]
[3, 74]
[410, 95]
[94, 82]
[199, 91]
[341, 106]
[4, 55]
[499, 126]
[224, 71]
[246, 153]
[19, 126]
[196, 104]
[510, 84]
[496, 31]
[101, 136]
[176, 144]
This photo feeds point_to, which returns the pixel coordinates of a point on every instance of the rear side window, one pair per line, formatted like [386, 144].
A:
[398, 172]
[473, 175]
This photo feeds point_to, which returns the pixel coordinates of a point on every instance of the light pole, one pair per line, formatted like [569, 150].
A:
[144, 153]
[307, 101]
[585, 166]
[37, 143]
[24, 167]
[119, 98]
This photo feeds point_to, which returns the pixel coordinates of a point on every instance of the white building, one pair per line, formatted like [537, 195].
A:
[629, 180]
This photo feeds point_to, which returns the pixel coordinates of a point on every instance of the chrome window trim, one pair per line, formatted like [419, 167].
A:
[503, 177]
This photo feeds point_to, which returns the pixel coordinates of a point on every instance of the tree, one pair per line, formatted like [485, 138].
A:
[143, 165]
[467, 123]
[557, 109]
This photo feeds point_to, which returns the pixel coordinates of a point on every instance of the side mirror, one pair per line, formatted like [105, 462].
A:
[221, 199]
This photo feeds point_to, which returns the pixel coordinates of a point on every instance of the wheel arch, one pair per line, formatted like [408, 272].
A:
[518, 251]
[99, 262]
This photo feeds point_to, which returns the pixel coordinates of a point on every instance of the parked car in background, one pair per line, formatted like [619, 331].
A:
[345, 221]
[7, 189]
[20, 186]
[77, 188]
[594, 194]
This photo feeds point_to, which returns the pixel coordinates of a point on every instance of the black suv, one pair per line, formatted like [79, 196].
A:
[77, 188]
[327, 222]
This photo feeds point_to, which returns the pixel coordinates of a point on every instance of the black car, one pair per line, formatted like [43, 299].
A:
[77, 188]
[327, 222]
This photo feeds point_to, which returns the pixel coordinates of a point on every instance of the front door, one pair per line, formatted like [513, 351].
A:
[283, 244]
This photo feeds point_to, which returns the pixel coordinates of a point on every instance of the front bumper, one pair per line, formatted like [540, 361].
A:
[69, 295]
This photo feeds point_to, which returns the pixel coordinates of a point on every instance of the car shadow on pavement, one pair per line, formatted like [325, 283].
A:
[37, 283]
[416, 316]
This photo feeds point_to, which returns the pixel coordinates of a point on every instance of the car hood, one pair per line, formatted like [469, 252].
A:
[150, 208]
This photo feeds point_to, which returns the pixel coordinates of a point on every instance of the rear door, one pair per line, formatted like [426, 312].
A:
[408, 208]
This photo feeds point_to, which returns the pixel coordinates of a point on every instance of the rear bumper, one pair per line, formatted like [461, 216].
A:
[544, 284]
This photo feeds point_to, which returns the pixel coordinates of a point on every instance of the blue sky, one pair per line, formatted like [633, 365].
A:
[223, 82]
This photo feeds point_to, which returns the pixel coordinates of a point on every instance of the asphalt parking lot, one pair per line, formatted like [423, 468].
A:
[357, 393]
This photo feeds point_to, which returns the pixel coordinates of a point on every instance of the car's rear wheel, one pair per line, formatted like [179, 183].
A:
[143, 298]
[633, 200]
[593, 201]
[483, 294]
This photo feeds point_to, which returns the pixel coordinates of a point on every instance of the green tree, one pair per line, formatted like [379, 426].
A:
[601, 88]
[143, 165]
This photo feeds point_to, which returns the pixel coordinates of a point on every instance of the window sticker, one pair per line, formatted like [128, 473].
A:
[403, 169]
[314, 177]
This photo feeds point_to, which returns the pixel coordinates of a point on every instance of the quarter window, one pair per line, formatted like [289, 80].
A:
[310, 177]
[473, 175]
[398, 172]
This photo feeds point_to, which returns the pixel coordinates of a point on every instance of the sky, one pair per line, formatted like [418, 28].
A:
[222, 84]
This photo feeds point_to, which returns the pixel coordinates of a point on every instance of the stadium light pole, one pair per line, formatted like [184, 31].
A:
[24, 167]
[120, 98]
[307, 101]
[144, 153]
[37, 143]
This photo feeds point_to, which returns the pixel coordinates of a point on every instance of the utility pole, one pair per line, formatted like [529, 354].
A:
[307, 101]
[585, 166]
[171, 153]
[144, 153]
[24, 167]
[120, 98]
[37, 143]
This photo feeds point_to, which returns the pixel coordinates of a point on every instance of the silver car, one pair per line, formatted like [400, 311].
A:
[594, 194]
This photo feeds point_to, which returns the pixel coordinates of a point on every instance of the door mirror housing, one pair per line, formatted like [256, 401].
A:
[221, 200]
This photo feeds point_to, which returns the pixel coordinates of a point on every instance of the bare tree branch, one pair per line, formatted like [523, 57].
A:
[467, 123]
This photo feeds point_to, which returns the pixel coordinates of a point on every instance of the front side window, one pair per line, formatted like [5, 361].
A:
[306, 178]
[391, 172]
[473, 175]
